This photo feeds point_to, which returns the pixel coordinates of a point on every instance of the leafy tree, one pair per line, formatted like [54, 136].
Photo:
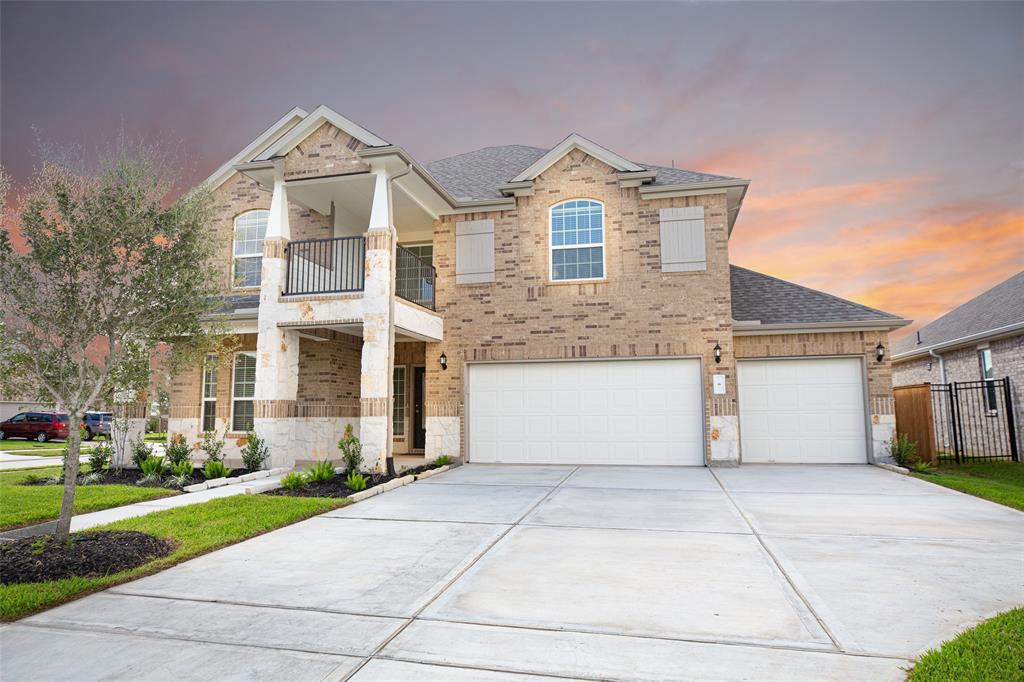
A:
[113, 272]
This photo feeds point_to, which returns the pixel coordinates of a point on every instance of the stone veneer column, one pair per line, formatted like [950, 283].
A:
[277, 350]
[375, 384]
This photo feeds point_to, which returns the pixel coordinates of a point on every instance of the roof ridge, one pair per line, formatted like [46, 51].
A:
[817, 291]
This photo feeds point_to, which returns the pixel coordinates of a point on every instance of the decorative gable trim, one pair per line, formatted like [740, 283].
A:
[311, 123]
[257, 146]
[577, 141]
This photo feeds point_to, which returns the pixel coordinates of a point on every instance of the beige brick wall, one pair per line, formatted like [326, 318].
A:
[187, 387]
[326, 151]
[636, 311]
[329, 370]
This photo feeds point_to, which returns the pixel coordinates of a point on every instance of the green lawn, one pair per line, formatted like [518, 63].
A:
[992, 651]
[195, 529]
[156, 437]
[50, 448]
[21, 505]
[1001, 482]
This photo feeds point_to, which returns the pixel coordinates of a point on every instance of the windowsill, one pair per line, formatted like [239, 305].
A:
[559, 282]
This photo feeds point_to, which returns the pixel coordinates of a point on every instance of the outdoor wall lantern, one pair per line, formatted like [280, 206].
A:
[880, 352]
[444, 361]
[718, 353]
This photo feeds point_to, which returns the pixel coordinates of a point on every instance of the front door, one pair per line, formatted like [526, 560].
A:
[419, 422]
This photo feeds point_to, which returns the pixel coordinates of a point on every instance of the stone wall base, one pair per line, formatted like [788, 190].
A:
[444, 437]
[725, 440]
[883, 426]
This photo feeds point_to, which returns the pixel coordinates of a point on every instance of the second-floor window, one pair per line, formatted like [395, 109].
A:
[577, 240]
[250, 229]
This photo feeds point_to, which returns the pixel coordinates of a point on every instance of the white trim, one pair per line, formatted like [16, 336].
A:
[576, 141]
[234, 363]
[266, 138]
[210, 358]
[563, 247]
[235, 256]
[316, 118]
[405, 400]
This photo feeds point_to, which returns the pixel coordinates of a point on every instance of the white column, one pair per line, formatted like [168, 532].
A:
[277, 350]
[375, 386]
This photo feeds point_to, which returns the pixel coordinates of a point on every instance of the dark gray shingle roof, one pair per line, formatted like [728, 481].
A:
[770, 300]
[477, 174]
[1000, 306]
[233, 302]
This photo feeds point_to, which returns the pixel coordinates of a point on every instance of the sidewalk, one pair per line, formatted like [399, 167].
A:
[12, 461]
[99, 518]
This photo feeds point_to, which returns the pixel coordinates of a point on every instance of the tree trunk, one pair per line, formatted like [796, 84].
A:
[67, 503]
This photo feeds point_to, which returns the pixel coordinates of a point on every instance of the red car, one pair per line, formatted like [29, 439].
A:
[40, 426]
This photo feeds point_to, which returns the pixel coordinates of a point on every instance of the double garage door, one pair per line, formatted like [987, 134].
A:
[808, 410]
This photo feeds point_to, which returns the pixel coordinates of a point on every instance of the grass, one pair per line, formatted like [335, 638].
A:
[196, 529]
[1001, 482]
[156, 437]
[993, 650]
[36, 449]
[21, 505]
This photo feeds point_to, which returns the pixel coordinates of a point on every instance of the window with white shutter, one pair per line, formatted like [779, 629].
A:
[682, 239]
[474, 251]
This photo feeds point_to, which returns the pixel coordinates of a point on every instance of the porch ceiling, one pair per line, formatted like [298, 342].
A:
[308, 329]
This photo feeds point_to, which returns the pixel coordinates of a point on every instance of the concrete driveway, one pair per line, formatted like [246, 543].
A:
[494, 572]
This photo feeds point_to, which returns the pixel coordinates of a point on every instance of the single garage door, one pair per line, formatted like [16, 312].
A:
[586, 412]
[809, 410]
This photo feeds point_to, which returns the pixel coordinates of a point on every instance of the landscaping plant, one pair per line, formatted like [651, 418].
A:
[99, 459]
[140, 450]
[109, 272]
[182, 468]
[351, 450]
[293, 480]
[902, 450]
[321, 472]
[212, 446]
[255, 452]
[443, 460]
[152, 469]
[214, 468]
[177, 450]
[355, 481]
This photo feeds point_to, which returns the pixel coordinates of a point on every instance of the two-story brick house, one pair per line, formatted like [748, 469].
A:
[517, 304]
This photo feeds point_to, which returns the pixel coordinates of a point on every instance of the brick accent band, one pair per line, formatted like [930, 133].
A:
[274, 248]
[136, 410]
[374, 407]
[184, 412]
[442, 408]
[378, 239]
[271, 409]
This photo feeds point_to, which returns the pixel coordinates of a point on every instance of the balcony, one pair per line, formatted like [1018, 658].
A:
[336, 266]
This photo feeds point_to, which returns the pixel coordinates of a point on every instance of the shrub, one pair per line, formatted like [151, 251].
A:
[91, 478]
[33, 479]
[182, 468]
[355, 481]
[902, 451]
[99, 458]
[140, 450]
[212, 446]
[921, 466]
[321, 472]
[177, 481]
[351, 450]
[214, 468]
[255, 452]
[442, 461]
[152, 465]
[177, 450]
[293, 480]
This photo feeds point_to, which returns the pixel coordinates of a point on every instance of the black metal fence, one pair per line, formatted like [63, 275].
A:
[325, 266]
[414, 278]
[974, 421]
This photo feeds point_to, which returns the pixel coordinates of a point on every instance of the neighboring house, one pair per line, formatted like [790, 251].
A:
[981, 339]
[9, 408]
[517, 304]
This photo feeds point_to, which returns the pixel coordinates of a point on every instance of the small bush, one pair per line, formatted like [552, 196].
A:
[99, 458]
[255, 452]
[177, 481]
[140, 450]
[902, 451]
[212, 447]
[214, 468]
[33, 479]
[182, 468]
[442, 461]
[355, 481]
[152, 466]
[321, 472]
[921, 467]
[351, 450]
[177, 450]
[293, 480]
[91, 478]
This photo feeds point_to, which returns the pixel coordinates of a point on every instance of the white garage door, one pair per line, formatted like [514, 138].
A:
[809, 410]
[586, 412]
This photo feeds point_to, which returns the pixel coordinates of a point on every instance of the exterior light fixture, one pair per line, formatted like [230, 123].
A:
[444, 361]
[718, 353]
[879, 352]
[929, 365]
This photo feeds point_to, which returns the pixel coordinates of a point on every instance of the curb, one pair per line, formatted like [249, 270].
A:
[893, 468]
[235, 480]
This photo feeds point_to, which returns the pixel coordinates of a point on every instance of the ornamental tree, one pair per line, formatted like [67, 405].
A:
[112, 272]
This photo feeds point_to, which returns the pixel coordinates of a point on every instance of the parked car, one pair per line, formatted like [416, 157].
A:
[40, 426]
[97, 424]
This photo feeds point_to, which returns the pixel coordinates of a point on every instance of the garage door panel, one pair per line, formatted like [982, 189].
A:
[595, 412]
[808, 410]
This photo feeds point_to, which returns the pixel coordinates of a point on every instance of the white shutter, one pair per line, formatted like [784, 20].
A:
[474, 251]
[682, 239]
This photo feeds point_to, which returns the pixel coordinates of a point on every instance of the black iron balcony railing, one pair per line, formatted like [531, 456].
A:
[414, 278]
[325, 266]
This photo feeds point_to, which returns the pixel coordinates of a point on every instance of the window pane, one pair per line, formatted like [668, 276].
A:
[247, 271]
[245, 376]
[577, 222]
[243, 416]
[398, 413]
[210, 377]
[209, 415]
[250, 229]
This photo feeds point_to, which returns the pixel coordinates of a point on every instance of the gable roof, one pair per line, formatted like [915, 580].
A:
[996, 311]
[769, 301]
[576, 141]
[266, 138]
[316, 118]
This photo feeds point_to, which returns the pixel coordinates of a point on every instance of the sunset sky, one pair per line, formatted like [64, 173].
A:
[885, 142]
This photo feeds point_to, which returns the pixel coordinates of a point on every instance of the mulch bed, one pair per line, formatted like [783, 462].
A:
[336, 486]
[133, 476]
[85, 555]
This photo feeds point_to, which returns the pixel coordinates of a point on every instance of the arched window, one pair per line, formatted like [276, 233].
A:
[577, 240]
[250, 229]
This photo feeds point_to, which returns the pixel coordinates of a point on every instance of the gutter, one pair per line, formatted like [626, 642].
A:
[1006, 330]
[754, 327]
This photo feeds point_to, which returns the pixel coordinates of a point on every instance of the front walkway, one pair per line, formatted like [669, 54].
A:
[503, 572]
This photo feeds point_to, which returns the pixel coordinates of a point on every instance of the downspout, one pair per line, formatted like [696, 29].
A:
[942, 364]
[390, 459]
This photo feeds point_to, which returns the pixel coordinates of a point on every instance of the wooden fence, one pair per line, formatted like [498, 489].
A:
[914, 418]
